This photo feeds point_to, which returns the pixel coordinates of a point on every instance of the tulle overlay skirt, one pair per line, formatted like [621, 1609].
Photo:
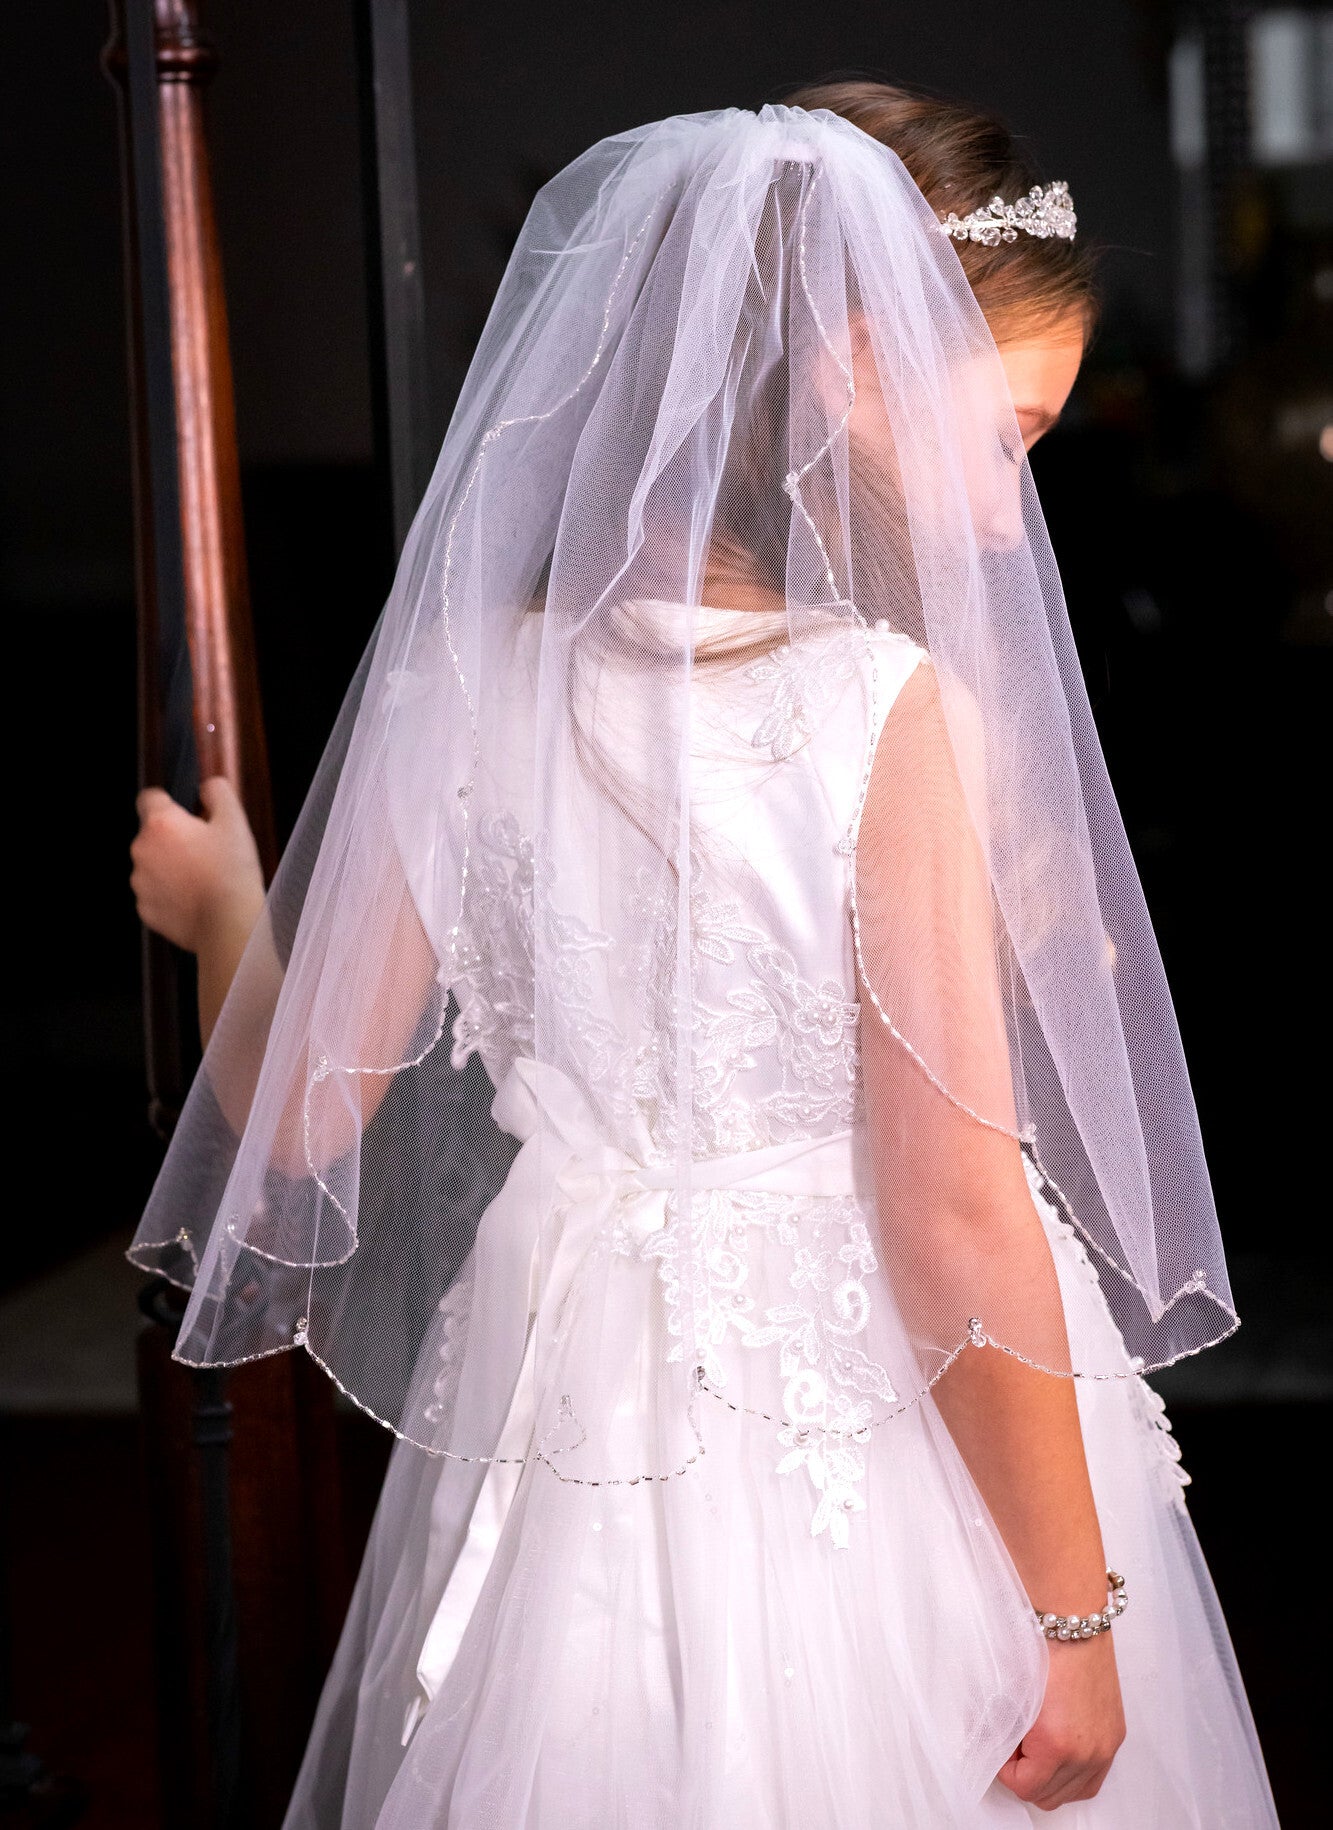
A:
[690, 1653]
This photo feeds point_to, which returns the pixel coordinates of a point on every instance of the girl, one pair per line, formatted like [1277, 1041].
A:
[763, 1330]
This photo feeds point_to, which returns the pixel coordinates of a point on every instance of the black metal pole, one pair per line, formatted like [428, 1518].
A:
[1224, 26]
[395, 294]
[210, 1421]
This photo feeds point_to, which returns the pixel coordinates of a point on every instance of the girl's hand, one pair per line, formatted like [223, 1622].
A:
[196, 879]
[1068, 1751]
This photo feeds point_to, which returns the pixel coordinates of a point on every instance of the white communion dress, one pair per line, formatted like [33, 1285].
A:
[791, 1609]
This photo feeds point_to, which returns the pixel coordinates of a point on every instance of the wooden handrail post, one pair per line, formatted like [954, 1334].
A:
[250, 1574]
[228, 729]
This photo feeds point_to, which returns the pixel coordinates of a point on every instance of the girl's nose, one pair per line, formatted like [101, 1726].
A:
[1000, 527]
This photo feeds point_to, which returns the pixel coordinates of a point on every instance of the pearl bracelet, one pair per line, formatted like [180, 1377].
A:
[1087, 1626]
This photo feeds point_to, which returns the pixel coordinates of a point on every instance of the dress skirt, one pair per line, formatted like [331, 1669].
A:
[769, 1640]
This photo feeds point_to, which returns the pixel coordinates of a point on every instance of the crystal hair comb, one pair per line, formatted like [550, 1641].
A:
[1041, 213]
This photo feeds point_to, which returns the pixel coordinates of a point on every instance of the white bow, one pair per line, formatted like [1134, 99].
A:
[568, 1177]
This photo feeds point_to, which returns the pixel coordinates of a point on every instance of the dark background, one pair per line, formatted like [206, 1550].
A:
[1188, 502]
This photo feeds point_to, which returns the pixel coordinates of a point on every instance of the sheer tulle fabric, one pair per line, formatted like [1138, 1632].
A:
[691, 1655]
[736, 443]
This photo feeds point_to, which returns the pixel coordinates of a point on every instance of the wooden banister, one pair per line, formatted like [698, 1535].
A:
[251, 1570]
[228, 727]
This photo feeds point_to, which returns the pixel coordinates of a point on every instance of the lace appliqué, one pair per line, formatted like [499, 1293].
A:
[829, 1382]
[452, 1328]
[804, 681]
[774, 1018]
[773, 1057]
[492, 972]
[1150, 1409]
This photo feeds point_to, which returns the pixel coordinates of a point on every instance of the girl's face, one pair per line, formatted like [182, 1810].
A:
[1035, 374]
[1040, 371]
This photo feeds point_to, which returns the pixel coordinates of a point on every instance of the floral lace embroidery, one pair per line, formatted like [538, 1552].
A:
[829, 1382]
[454, 1311]
[1150, 1408]
[774, 1057]
[811, 1032]
[492, 978]
[492, 974]
[804, 681]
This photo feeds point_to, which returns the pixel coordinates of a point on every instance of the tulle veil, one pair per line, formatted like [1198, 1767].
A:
[735, 413]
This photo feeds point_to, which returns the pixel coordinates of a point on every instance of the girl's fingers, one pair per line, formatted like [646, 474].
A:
[149, 801]
[1031, 1778]
[1068, 1787]
[218, 797]
[1090, 1786]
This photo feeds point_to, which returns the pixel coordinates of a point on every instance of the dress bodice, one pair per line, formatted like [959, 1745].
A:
[778, 760]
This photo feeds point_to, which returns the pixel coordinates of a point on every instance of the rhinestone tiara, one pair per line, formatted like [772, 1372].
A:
[1041, 213]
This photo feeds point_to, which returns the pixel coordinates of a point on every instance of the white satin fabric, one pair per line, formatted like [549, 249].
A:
[814, 1626]
[565, 1164]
